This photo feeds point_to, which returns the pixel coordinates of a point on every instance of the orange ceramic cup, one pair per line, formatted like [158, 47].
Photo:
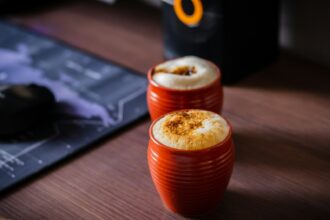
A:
[162, 100]
[190, 183]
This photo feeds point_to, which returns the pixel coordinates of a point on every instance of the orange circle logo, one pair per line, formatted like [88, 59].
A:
[190, 20]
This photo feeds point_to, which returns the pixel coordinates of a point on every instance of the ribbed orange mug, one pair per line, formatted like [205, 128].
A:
[190, 183]
[162, 100]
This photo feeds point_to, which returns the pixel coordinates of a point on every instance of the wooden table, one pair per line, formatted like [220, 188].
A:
[280, 116]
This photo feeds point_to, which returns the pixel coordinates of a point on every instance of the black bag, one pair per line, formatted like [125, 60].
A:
[238, 35]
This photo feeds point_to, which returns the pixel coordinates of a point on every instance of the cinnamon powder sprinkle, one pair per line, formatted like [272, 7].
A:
[184, 123]
[180, 70]
[191, 129]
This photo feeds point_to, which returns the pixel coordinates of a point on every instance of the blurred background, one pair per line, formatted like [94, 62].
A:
[303, 26]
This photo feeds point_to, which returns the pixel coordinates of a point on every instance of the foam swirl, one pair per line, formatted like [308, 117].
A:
[185, 73]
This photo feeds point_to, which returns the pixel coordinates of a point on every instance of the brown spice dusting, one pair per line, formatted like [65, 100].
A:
[180, 70]
[184, 123]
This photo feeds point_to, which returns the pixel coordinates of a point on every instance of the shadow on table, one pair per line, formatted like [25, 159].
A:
[284, 153]
[290, 73]
[239, 205]
[275, 179]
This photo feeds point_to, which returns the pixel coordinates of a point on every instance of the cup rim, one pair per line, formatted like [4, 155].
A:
[151, 81]
[175, 150]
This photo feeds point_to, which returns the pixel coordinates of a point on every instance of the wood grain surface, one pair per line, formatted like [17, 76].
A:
[280, 116]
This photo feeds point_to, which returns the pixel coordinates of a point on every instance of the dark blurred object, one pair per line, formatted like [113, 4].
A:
[23, 6]
[22, 107]
[108, 1]
[11, 5]
[305, 29]
[238, 35]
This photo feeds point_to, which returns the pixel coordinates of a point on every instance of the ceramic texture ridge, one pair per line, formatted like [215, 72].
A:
[190, 182]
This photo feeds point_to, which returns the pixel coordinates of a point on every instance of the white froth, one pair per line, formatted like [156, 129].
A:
[183, 133]
[205, 73]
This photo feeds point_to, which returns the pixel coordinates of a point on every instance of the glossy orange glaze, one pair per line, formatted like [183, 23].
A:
[191, 182]
[162, 100]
